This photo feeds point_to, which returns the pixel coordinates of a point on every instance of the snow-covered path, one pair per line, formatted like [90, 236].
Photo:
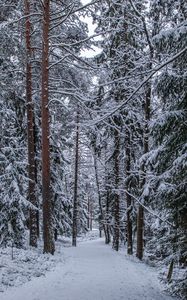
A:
[92, 271]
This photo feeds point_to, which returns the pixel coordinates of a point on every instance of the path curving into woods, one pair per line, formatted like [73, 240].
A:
[93, 271]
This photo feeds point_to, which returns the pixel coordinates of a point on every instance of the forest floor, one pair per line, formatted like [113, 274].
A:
[91, 271]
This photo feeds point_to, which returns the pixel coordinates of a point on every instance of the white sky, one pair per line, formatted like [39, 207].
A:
[91, 28]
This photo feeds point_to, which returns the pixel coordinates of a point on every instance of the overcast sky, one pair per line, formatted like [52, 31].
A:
[91, 27]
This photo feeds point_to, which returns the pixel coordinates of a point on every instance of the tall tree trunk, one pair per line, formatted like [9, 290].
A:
[128, 197]
[107, 216]
[140, 224]
[30, 130]
[107, 239]
[91, 215]
[46, 192]
[102, 225]
[140, 217]
[117, 197]
[88, 211]
[36, 179]
[75, 199]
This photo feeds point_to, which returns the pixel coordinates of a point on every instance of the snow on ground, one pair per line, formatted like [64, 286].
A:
[17, 266]
[24, 265]
[92, 271]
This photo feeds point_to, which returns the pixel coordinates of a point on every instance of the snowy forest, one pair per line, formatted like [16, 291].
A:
[93, 141]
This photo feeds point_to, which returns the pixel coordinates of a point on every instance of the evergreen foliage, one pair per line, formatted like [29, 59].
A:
[117, 128]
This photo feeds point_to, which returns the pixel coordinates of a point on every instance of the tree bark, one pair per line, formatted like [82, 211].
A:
[140, 217]
[107, 211]
[46, 192]
[75, 200]
[128, 197]
[88, 210]
[170, 271]
[107, 238]
[140, 225]
[30, 131]
[116, 197]
[101, 220]
[91, 215]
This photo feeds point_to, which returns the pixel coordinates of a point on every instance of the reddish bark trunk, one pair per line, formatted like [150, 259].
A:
[30, 131]
[46, 192]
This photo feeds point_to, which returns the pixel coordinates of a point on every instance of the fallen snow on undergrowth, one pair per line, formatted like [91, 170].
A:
[24, 265]
[91, 271]
[17, 266]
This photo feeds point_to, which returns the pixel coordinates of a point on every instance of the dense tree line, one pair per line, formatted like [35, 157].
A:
[100, 139]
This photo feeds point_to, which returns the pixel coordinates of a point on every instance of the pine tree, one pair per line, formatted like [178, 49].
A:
[46, 189]
[30, 130]
[122, 58]
[75, 196]
[13, 177]
[169, 128]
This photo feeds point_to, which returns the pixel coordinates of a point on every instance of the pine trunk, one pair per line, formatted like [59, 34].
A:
[140, 224]
[128, 197]
[36, 180]
[30, 131]
[46, 193]
[170, 271]
[107, 213]
[101, 219]
[88, 211]
[91, 216]
[140, 217]
[116, 197]
[75, 200]
[107, 238]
